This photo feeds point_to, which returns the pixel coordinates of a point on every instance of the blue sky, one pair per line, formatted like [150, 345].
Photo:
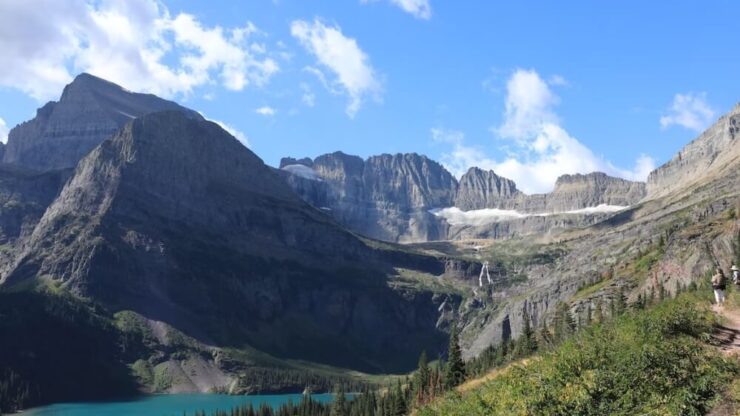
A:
[529, 89]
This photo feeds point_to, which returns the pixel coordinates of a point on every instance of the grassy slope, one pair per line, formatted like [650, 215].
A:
[647, 362]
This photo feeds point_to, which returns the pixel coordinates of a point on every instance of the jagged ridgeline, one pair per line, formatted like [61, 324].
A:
[186, 241]
[134, 222]
[410, 198]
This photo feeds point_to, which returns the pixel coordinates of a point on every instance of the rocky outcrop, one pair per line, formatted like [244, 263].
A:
[701, 159]
[574, 192]
[480, 189]
[388, 197]
[174, 219]
[89, 110]
[684, 228]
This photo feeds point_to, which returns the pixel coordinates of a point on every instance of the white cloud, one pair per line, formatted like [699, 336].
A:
[265, 111]
[541, 150]
[135, 43]
[3, 131]
[421, 9]
[341, 55]
[529, 105]
[233, 131]
[558, 80]
[308, 97]
[690, 111]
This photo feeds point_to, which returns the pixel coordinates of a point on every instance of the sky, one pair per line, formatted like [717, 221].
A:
[530, 89]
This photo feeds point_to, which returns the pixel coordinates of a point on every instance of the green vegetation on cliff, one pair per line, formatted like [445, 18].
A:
[653, 361]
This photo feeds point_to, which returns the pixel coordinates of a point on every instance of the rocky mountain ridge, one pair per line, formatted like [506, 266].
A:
[389, 197]
[89, 111]
[712, 150]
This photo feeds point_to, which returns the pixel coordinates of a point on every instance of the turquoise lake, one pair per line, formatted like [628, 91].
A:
[167, 405]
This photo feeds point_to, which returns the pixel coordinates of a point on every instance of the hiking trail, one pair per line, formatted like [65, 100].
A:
[727, 334]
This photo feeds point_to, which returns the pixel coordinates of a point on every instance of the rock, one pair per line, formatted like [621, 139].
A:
[479, 189]
[174, 219]
[89, 110]
[386, 197]
[389, 197]
[701, 159]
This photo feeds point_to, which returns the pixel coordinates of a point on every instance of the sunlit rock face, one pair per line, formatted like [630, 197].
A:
[89, 111]
[406, 198]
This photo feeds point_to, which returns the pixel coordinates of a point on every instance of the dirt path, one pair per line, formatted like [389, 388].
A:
[727, 338]
[728, 334]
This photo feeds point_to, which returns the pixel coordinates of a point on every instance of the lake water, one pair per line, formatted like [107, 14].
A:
[167, 405]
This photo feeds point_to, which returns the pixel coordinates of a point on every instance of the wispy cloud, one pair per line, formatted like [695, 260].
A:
[691, 111]
[539, 149]
[233, 131]
[421, 9]
[265, 111]
[308, 98]
[341, 55]
[46, 42]
[3, 131]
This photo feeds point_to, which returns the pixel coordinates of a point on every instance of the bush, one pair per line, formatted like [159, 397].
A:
[645, 362]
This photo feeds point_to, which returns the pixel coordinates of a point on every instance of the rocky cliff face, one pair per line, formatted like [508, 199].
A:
[705, 156]
[389, 197]
[574, 192]
[682, 229]
[386, 197]
[480, 189]
[89, 110]
[174, 219]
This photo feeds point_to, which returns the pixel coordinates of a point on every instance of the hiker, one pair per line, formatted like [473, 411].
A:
[718, 284]
[735, 274]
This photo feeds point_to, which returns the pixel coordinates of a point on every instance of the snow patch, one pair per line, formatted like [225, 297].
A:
[476, 217]
[456, 216]
[603, 208]
[302, 171]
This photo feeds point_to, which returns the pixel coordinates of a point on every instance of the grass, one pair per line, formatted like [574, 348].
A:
[428, 282]
[645, 362]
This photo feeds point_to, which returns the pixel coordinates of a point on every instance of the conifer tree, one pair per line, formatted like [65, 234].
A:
[621, 301]
[339, 406]
[455, 371]
[421, 379]
[598, 311]
[526, 344]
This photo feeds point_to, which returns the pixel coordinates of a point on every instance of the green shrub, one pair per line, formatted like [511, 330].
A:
[646, 362]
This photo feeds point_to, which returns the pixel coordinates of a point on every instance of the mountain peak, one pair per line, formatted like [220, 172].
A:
[90, 110]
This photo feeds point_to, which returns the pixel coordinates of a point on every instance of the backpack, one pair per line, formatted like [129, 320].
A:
[720, 282]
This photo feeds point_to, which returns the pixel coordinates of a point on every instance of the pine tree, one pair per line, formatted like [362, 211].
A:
[339, 407]
[421, 379]
[598, 312]
[589, 317]
[640, 303]
[545, 336]
[455, 371]
[398, 400]
[526, 344]
[621, 301]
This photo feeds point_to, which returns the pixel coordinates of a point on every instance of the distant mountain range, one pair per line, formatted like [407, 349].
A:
[392, 197]
[197, 267]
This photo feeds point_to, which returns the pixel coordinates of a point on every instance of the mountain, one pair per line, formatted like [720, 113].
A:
[174, 219]
[684, 228]
[89, 110]
[387, 197]
[480, 189]
[410, 198]
[707, 155]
